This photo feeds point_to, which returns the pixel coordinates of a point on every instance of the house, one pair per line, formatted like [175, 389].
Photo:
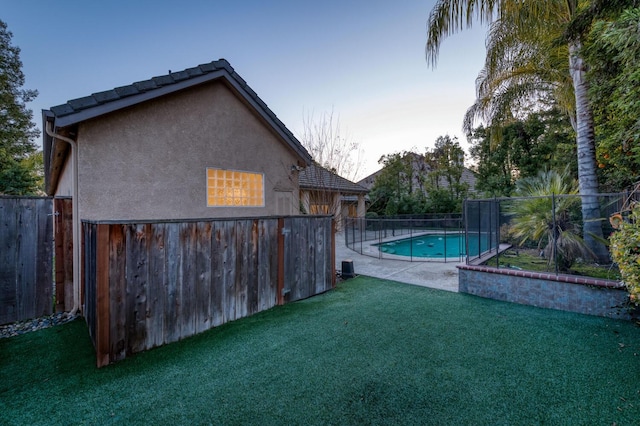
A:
[197, 143]
[193, 144]
[325, 192]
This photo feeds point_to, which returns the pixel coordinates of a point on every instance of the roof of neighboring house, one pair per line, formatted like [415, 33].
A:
[319, 178]
[77, 110]
[468, 176]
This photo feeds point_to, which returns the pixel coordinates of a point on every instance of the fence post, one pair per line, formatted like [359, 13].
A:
[281, 248]
[333, 254]
[102, 312]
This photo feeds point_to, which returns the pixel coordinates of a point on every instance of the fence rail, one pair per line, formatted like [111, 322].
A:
[409, 238]
[26, 258]
[148, 284]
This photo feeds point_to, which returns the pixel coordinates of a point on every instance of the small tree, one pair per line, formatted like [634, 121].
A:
[549, 220]
[18, 175]
[330, 147]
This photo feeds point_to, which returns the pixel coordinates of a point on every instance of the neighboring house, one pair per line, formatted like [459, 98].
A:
[421, 168]
[198, 143]
[324, 192]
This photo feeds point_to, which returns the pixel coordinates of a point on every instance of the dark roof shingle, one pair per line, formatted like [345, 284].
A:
[319, 178]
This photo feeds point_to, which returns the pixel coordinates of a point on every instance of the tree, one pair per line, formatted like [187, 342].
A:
[542, 140]
[394, 191]
[548, 218]
[526, 66]
[445, 189]
[17, 130]
[614, 54]
[330, 147]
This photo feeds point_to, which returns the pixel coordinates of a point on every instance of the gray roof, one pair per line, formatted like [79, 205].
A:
[81, 109]
[319, 178]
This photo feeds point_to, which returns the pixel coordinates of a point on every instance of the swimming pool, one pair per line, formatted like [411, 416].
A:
[436, 246]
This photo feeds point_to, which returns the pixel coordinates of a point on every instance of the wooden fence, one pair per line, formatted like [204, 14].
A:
[26, 258]
[63, 238]
[151, 283]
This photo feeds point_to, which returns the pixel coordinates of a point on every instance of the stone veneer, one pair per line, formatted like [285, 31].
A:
[572, 293]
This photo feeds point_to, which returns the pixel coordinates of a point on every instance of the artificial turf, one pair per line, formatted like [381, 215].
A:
[369, 352]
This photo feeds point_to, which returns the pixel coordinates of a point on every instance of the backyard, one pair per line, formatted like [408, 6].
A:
[369, 352]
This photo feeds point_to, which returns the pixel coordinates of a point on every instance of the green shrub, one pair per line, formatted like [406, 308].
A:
[625, 250]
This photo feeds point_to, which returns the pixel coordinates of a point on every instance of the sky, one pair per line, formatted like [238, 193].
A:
[363, 60]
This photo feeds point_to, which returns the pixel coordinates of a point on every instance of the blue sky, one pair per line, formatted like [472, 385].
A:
[362, 59]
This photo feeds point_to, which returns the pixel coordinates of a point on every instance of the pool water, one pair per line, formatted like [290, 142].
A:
[433, 246]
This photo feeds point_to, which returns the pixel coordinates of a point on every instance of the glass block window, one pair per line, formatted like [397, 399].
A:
[232, 188]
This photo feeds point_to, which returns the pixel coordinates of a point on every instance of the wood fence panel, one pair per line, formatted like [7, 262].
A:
[203, 279]
[137, 273]
[242, 267]
[173, 305]
[218, 249]
[157, 287]
[44, 262]
[188, 277]
[230, 294]
[26, 264]
[63, 213]
[252, 267]
[170, 280]
[118, 293]
[267, 259]
[9, 231]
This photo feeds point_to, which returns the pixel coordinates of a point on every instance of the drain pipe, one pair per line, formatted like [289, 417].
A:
[76, 217]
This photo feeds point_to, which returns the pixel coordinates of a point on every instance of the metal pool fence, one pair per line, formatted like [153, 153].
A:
[548, 223]
[367, 236]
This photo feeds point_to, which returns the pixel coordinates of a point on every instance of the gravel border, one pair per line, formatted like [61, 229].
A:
[22, 327]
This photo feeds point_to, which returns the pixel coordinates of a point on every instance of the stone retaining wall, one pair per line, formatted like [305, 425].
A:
[563, 292]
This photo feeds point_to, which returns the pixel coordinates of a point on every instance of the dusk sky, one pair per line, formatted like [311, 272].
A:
[362, 59]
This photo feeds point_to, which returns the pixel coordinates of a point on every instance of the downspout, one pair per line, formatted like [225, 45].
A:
[75, 219]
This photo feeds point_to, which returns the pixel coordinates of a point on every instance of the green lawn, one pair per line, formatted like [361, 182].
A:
[370, 352]
[530, 260]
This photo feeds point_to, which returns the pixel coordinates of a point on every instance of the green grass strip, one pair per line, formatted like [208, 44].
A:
[370, 352]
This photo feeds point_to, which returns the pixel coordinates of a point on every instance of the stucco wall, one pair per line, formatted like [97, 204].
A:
[563, 292]
[150, 161]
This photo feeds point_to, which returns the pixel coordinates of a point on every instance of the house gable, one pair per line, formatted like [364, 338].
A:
[64, 119]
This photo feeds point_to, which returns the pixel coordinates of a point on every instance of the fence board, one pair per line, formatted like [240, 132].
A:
[117, 293]
[157, 287]
[9, 231]
[188, 277]
[137, 273]
[170, 280]
[229, 257]
[63, 208]
[173, 305]
[26, 265]
[203, 279]
[218, 247]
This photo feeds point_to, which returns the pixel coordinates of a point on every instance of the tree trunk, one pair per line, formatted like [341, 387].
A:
[585, 138]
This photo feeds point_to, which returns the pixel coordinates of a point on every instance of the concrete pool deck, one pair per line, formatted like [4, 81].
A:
[439, 275]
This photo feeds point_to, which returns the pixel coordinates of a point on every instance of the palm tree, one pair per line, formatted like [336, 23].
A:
[547, 217]
[532, 57]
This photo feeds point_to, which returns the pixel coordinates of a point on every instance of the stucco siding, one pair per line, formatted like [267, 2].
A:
[150, 161]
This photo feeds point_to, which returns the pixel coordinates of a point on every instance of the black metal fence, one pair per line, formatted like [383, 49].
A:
[548, 229]
[410, 238]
